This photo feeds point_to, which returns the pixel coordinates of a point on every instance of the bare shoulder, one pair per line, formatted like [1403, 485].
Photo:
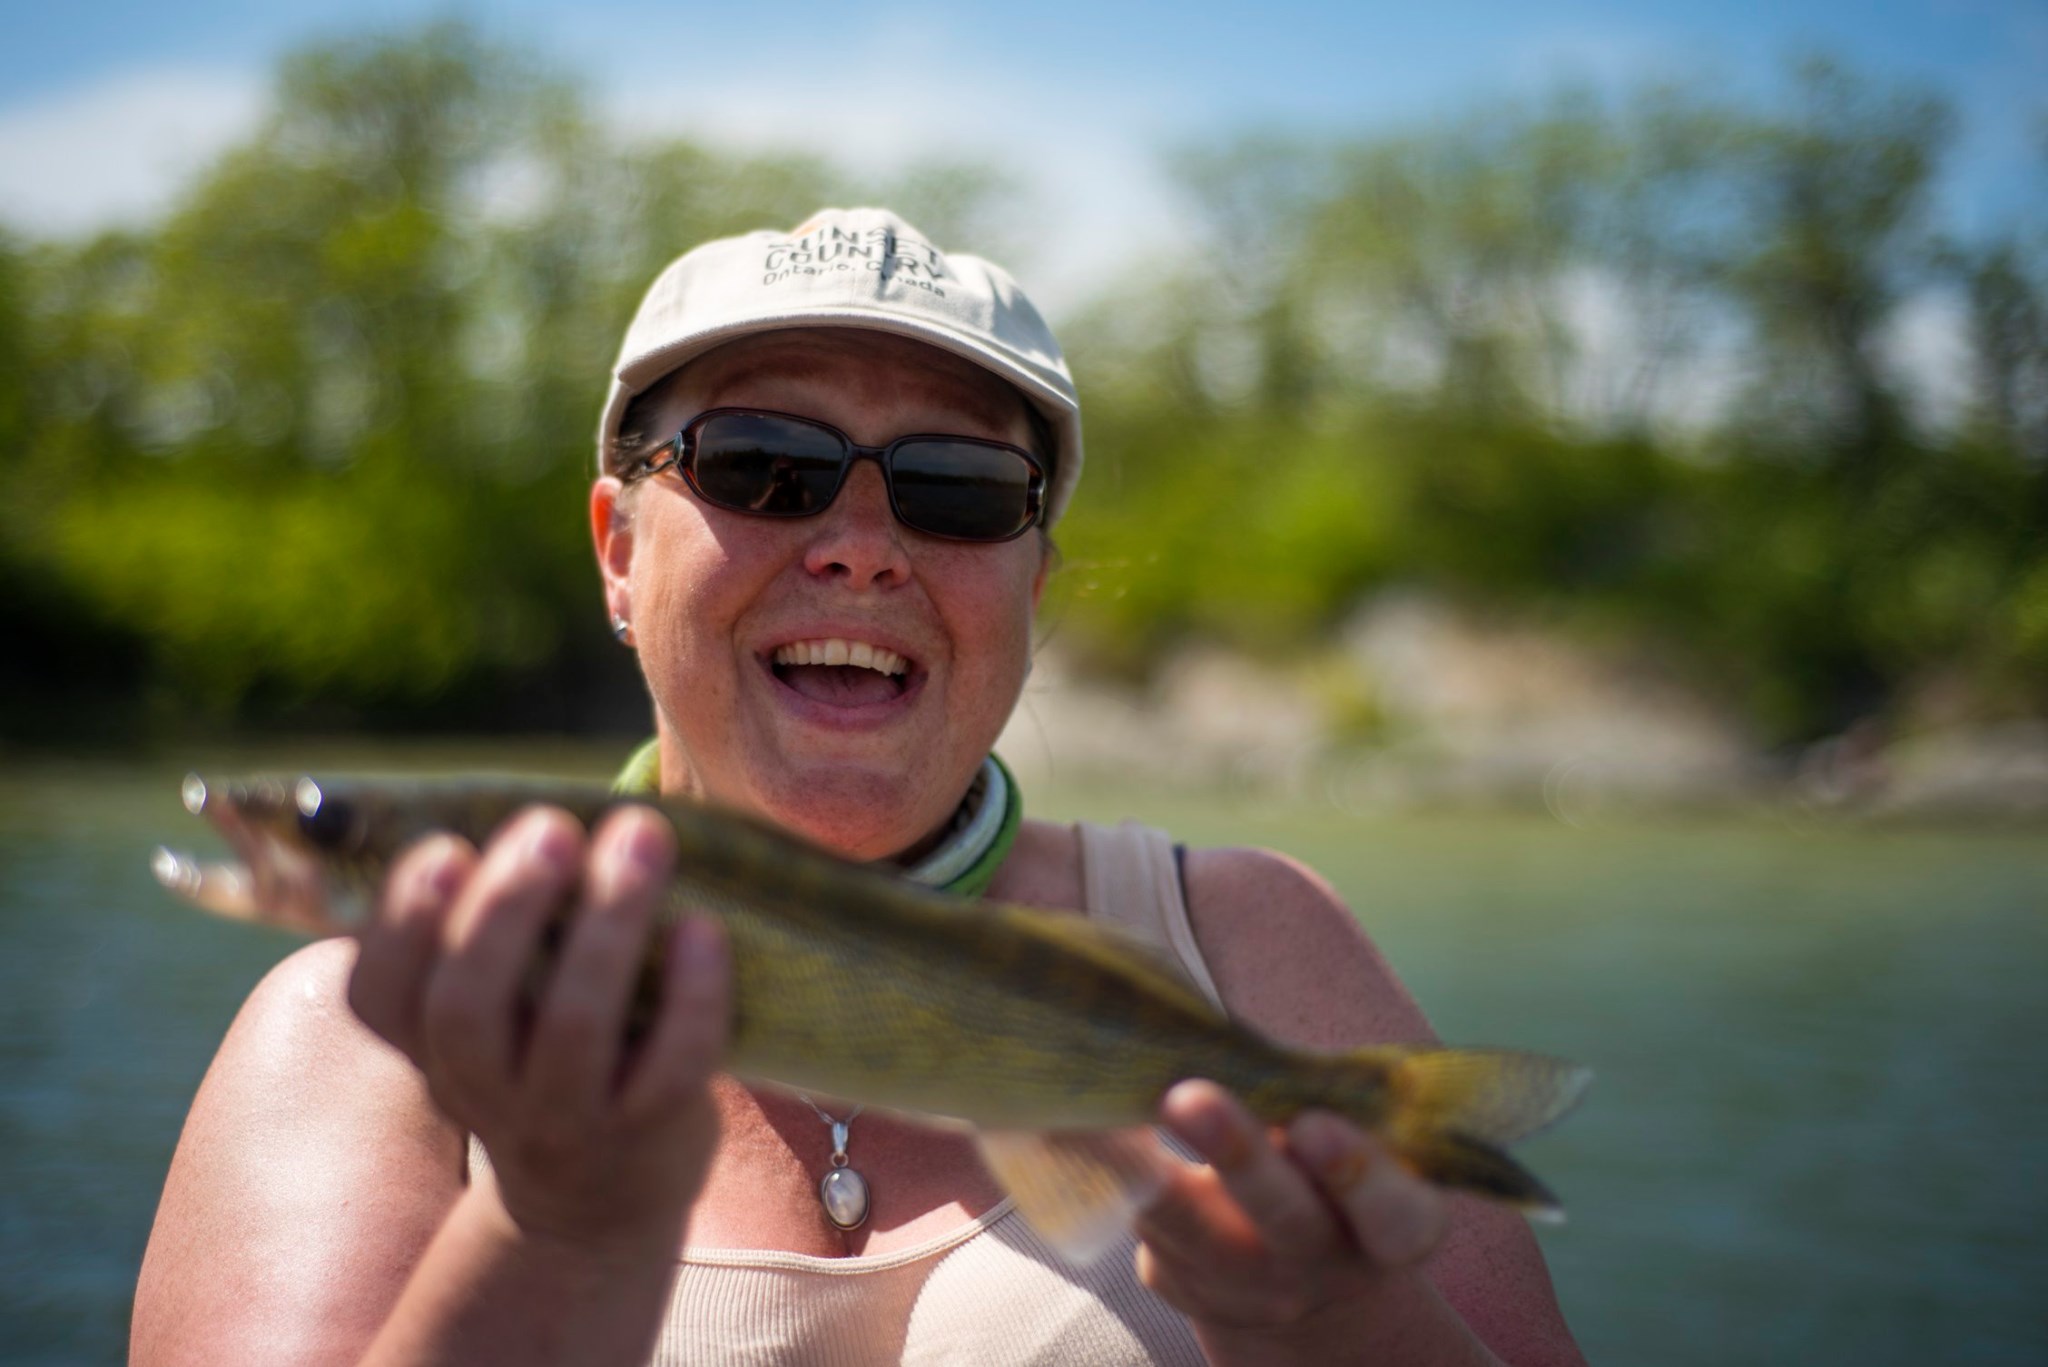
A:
[1290, 957]
[311, 1172]
[296, 1047]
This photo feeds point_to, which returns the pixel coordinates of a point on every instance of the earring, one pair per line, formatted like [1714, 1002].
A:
[622, 630]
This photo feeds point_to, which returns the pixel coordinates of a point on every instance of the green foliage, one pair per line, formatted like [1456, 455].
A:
[321, 438]
[1476, 345]
[315, 445]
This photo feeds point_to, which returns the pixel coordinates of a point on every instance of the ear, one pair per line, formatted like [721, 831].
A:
[611, 533]
[1038, 578]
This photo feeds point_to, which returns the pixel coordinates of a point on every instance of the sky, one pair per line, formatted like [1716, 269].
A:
[100, 123]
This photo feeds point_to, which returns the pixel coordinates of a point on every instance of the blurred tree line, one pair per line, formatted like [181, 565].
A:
[1634, 366]
[313, 449]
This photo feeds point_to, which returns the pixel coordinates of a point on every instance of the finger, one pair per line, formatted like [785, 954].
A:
[400, 946]
[1199, 1251]
[688, 1038]
[578, 1033]
[1290, 1215]
[1396, 1217]
[468, 1028]
[1195, 1220]
[1165, 1280]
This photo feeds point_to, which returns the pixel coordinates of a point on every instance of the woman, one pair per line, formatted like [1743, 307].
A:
[389, 1162]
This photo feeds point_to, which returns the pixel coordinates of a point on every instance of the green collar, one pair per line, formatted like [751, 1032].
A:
[965, 862]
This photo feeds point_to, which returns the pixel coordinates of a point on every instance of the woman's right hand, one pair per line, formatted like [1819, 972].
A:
[594, 1143]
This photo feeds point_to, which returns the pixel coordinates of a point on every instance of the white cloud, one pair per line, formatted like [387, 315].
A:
[117, 150]
[1928, 345]
[1086, 156]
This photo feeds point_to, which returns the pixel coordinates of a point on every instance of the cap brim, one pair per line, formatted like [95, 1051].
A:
[1059, 409]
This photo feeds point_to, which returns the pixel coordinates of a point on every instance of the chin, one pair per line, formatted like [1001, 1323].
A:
[863, 812]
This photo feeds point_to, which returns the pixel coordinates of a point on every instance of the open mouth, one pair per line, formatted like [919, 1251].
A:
[842, 673]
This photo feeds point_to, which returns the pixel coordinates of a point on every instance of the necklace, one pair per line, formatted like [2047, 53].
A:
[843, 1192]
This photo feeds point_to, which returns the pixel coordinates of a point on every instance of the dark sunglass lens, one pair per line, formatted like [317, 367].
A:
[761, 463]
[963, 489]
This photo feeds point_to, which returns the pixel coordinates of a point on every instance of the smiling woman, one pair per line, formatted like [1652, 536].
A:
[820, 457]
[871, 766]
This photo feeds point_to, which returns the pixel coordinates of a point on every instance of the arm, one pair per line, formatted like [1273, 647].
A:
[316, 1210]
[1313, 1250]
[311, 1175]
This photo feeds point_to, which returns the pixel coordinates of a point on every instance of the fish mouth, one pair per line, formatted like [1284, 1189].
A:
[843, 672]
[271, 880]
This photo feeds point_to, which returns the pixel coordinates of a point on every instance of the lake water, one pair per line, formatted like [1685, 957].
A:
[1819, 1134]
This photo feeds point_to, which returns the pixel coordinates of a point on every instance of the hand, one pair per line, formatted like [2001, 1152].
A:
[1280, 1238]
[593, 1142]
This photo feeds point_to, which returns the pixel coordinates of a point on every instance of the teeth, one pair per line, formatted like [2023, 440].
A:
[836, 650]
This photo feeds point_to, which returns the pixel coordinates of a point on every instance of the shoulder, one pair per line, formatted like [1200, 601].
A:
[1289, 956]
[1286, 953]
[296, 1036]
[299, 1002]
[294, 1029]
[311, 1164]
[1043, 868]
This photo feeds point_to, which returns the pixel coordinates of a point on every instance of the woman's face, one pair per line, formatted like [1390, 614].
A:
[725, 607]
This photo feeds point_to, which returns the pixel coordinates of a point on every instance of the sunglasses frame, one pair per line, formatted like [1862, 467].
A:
[682, 458]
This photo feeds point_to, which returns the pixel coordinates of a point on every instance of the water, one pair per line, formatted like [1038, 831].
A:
[1817, 1134]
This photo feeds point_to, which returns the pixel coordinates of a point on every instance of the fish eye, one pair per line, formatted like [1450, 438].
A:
[324, 819]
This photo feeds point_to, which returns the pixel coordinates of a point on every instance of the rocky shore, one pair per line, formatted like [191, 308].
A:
[1418, 705]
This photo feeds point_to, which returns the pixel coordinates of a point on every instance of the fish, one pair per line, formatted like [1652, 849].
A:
[1053, 1037]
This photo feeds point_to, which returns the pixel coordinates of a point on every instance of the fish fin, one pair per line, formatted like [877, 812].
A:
[1455, 1110]
[1496, 1096]
[1455, 1160]
[1079, 1189]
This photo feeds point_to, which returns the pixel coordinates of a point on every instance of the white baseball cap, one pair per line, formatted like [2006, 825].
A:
[860, 268]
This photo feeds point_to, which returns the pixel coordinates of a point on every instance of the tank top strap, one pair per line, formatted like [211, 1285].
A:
[1132, 883]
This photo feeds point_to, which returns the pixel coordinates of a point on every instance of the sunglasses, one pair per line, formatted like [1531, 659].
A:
[746, 460]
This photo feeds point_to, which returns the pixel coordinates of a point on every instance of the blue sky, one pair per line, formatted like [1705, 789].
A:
[99, 122]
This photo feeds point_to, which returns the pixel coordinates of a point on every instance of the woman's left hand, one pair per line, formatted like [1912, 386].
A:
[1286, 1236]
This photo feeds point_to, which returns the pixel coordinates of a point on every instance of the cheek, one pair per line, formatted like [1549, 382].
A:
[991, 606]
[688, 590]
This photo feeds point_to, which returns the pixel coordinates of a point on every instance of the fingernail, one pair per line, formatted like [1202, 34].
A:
[1216, 1134]
[623, 853]
[1326, 1148]
[546, 843]
[443, 875]
[700, 943]
[1206, 1131]
[644, 845]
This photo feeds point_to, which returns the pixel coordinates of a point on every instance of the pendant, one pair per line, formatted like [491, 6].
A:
[844, 1193]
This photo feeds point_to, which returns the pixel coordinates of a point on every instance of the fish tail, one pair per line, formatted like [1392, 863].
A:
[1449, 1113]
[1451, 1160]
[1452, 1113]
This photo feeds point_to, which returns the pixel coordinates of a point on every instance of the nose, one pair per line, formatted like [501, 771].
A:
[858, 539]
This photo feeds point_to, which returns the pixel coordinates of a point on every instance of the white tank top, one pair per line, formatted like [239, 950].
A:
[988, 1292]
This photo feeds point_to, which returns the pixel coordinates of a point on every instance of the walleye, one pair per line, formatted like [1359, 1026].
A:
[1041, 1029]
